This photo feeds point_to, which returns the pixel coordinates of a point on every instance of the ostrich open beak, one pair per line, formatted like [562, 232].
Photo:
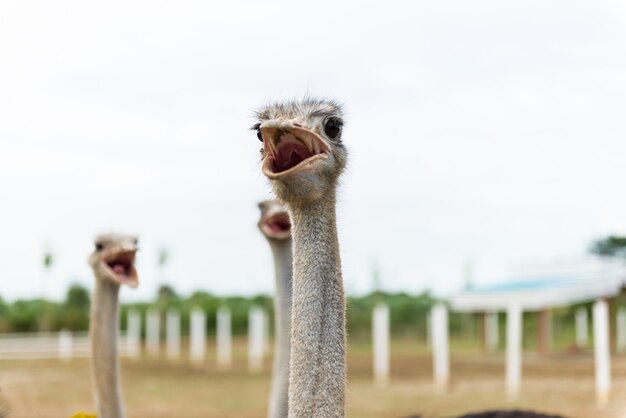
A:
[290, 148]
[276, 225]
[119, 263]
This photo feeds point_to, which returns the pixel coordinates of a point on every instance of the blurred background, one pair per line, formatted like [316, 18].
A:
[485, 138]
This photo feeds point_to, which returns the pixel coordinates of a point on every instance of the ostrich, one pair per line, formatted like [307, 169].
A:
[513, 413]
[303, 157]
[276, 227]
[113, 264]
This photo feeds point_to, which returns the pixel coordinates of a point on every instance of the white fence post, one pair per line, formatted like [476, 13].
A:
[197, 347]
[65, 345]
[602, 351]
[582, 332]
[223, 338]
[380, 331]
[492, 334]
[620, 329]
[255, 339]
[133, 334]
[440, 349]
[153, 332]
[172, 334]
[513, 351]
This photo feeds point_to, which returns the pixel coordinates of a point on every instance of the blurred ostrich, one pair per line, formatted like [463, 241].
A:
[113, 264]
[276, 227]
[303, 157]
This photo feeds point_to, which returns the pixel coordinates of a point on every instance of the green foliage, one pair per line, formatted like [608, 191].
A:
[23, 316]
[4, 311]
[74, 314]
[408, 313]
[611, 246]
[77, 297]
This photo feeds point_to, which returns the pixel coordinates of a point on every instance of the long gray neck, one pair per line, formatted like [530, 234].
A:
[318, 336]
[105, 366]
[283, 260]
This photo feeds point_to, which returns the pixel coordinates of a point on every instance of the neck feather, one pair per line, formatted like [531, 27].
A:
[283, 260]
[318, 363]
[105, 365]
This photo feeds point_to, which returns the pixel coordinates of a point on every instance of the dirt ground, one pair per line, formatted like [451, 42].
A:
[156, 388]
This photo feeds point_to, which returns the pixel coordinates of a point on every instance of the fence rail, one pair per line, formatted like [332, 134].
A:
[64, 345]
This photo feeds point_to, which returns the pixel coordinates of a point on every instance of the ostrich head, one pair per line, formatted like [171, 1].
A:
[274, 222]
[113, 259]
[302, 152]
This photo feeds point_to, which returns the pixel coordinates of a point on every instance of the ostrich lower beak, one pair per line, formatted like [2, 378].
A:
[289, 149]
[276, 225]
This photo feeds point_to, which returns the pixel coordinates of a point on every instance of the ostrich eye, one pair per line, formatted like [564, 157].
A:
[99, 246]
[332, 128]
[257, 127]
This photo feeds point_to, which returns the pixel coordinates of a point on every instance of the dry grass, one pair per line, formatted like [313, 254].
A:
[156, 388]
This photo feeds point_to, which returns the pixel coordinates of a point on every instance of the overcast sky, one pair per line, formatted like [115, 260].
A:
[487, 132]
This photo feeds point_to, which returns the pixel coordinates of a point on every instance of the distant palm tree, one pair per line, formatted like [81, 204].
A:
[164, 256]
[611, 246]
[165, 293]
[44, 317]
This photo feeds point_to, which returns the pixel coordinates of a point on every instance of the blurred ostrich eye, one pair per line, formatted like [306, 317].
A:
[258, 135]
[136, 242]
[99, 247]
[332, 128]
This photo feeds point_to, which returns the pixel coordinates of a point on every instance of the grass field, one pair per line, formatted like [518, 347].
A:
[156, 388]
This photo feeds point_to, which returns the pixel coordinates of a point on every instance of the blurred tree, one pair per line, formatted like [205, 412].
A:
[167, 294]
[166, 298]
[74, 314]
[4, 311]
[77, 297]
[23, 315]
[611, 246]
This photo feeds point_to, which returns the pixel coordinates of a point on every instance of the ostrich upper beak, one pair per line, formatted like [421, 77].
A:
[119, 262]
[290, 148]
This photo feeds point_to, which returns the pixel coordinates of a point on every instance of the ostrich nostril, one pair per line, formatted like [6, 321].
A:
[298, 125]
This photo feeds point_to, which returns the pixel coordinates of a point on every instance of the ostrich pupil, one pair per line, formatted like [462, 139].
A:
[258, 135]
[332, 128]
[99, 247]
